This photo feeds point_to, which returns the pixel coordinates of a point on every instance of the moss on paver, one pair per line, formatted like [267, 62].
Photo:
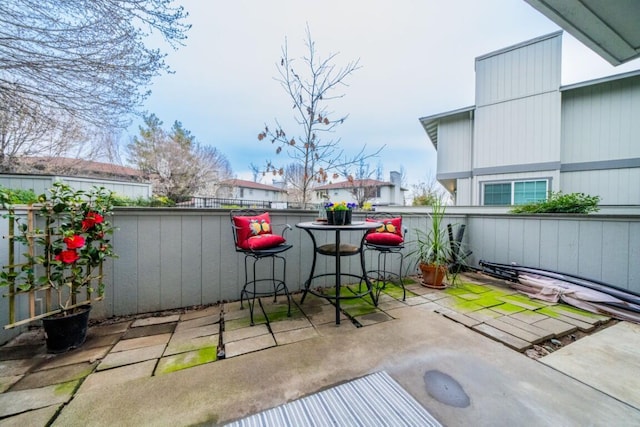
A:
[357, 307]
[496, 293]
[523, 301]
[561, 310]
[67, 388]
[469, 296]
[280, 315]
[191, 344]
[359, 310]
[570, 309]
[507, 308]
[186, 360]
[489, 301]
[395, 291]
[549, 311]
[473, 287]
[243, 322]
[455, 291]
[460, 304]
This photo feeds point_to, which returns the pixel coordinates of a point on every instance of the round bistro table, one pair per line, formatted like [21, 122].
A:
[337, 250]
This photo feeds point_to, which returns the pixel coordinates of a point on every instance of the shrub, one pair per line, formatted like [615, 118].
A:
[17, 197]
[68, 253]
[579, 203]
[155, 201]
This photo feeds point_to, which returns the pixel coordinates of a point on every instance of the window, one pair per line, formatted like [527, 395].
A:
[497, 194]
[514, 193]
[529, 191]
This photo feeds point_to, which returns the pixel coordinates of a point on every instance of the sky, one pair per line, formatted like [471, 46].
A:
[417, 59]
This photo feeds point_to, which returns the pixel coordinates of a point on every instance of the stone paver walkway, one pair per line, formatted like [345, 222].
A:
[34, 385]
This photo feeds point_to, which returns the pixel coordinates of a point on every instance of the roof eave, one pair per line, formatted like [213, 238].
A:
[430, 123]
[602, 31]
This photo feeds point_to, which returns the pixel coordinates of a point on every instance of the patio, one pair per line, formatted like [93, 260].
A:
[208, 366]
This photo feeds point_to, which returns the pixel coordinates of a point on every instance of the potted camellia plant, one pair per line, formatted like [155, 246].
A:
[433, 249]
[64, 259]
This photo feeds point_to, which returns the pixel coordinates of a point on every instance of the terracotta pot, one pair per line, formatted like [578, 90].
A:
[433, 275]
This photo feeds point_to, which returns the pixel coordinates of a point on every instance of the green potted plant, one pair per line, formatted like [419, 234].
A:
[64, 259]
[433, 249]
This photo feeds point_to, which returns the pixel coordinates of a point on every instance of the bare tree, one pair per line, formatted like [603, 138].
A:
[310, 89]
[178, 166]
[29, 130]
[256, 171]
[294, 180]
[403, 176]
[215, 168]
[360, 183]
[426, 193]
[85, 60]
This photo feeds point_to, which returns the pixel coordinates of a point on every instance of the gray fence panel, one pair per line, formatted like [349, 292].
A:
[124, 283]
[604, 248]
[531, 242]
[212, 259]
[170, 263]
[616, 245]
[149, 271]
[191, 256]
[633, 262]
[173, 258]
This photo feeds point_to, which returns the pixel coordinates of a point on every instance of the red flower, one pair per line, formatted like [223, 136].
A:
[91, 220]
[68, 257]
[74, 242]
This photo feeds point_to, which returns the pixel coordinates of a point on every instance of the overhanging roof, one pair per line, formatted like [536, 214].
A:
[430, 123]
[609, 28]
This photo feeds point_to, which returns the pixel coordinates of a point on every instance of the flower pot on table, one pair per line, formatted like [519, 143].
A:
[339, 217]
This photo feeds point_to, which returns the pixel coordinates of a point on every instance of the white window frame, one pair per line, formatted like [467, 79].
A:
[512, 182]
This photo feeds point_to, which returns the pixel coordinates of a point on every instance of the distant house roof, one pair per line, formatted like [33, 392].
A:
[357, 183]
[250, 184]
[78, 167]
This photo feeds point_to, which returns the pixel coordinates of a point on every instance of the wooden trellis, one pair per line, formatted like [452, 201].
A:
[53, 297]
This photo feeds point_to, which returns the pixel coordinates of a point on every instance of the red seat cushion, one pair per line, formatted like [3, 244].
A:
[250, 227]
[386, 239]
[389, 234]
[264, 241]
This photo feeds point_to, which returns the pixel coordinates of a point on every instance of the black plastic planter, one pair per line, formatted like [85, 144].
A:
[64, 333]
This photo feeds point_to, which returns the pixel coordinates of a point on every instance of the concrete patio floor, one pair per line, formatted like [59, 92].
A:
[207, 366]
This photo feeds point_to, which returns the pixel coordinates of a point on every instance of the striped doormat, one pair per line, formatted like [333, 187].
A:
[374, 400]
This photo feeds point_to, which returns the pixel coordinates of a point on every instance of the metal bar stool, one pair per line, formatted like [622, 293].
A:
[253, 236]
[387, 240]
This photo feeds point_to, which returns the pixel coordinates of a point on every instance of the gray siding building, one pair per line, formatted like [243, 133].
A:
[528, 135]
